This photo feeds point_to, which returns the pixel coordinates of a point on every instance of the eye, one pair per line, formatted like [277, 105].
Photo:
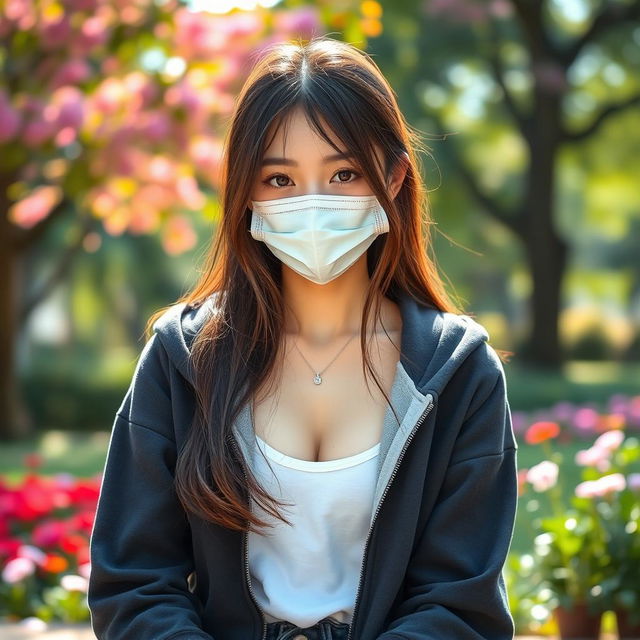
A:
[341, 172]
[281, 179]
[276, 176]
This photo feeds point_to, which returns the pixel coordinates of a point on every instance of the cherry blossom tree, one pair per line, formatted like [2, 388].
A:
[112, 112]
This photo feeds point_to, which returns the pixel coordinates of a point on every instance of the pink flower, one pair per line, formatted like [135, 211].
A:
[17, 570]
[587, 489]
[35, 206]
[543, 476]
[602, 486]
[593, 457]
[612, 482]
[610, 440]
[586, 419]
[9, 118]
[32, 553]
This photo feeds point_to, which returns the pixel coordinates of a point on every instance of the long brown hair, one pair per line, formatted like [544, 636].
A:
[239, 346]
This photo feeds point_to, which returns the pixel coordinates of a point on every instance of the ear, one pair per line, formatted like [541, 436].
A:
[398, 174]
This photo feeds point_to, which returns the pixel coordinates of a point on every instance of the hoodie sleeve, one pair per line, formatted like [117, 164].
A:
[140, 543]
[454, 583]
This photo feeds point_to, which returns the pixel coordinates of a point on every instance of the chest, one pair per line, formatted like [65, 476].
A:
[338, 418]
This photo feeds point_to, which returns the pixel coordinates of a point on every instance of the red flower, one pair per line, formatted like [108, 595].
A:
[72, 542]
[540, 431]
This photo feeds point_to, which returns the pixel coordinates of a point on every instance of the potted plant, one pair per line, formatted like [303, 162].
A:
[585, 551]
[616, 497]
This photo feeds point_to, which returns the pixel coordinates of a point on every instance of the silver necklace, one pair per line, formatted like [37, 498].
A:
[317, 379]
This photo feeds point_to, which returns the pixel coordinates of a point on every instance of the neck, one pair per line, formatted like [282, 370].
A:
[321, 314]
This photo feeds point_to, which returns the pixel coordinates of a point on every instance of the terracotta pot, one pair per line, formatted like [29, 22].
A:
[627, 630]
[577, 622]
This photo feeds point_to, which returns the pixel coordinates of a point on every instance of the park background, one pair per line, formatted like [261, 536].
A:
[112, 117]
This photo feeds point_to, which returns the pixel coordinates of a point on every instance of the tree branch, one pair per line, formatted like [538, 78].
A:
[510, 219]
[576, 136]
[24, 238]
[497, 68]
[612, 14]
[60, 270]
[530, 17]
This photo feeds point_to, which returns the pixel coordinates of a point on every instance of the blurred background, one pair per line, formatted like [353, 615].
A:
[112, 116]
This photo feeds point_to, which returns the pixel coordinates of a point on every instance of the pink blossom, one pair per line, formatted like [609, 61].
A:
[612, 482]
[18, 569]
[602, 486]
[48, 533]
[593, 457]
[71, 72]
[9, 118]
[303, 21]
[93, 33]
[35, 206]
[587, 489]
[178, 236]
[155, 126]
[543, 476]
[610, 440]
[586, 419]
[189, 193]
[55, 33]
[32, 553]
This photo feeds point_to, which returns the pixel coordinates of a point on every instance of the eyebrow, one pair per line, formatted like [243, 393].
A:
[292, 163]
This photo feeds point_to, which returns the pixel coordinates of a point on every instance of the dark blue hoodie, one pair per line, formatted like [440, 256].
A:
[441, 527]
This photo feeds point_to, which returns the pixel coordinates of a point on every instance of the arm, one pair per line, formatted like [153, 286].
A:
[140, 542]
[454, 583]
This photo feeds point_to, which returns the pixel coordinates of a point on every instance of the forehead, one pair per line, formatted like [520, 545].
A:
[294, 132]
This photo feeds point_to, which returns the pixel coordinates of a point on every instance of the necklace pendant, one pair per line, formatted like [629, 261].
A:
[317, 379]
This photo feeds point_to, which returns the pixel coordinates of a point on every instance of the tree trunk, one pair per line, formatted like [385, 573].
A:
[546, 250]
[14, 419]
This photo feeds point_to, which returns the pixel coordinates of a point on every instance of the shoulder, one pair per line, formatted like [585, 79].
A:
[183, 320]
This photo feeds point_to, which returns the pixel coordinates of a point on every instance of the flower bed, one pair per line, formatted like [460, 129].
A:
[586, 550]
[45, 527]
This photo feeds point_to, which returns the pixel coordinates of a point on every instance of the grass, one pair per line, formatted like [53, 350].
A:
[79, 453]
[579, 382]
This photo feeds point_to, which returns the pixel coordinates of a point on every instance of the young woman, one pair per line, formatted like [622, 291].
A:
[257, 487]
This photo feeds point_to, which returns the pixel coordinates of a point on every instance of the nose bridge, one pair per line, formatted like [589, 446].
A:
[313, 185]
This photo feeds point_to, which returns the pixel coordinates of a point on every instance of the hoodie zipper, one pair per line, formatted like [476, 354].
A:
[422, 418]
[246, 552]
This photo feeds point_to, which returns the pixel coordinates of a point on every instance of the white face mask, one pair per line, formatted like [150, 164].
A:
[318, 236]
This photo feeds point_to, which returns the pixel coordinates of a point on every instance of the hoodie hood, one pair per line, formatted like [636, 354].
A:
[434, 343]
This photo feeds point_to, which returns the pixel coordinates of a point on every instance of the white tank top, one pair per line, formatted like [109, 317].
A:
[310, 570]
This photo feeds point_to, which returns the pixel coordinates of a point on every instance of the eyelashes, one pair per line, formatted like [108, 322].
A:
[267, 181]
